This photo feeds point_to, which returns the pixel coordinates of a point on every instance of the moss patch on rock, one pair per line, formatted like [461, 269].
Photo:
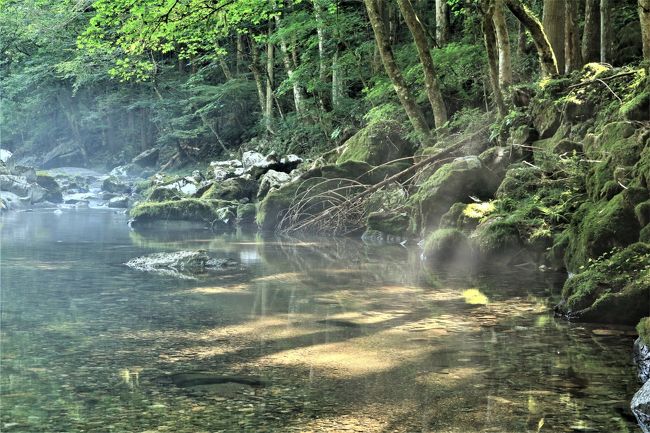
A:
[232, 189]
[51, 186]
[614, 288]
[187, 209]
[445, 245]
[389, 223]
[376, 144]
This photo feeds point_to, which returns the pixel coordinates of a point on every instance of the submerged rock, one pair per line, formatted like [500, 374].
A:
[181, 264]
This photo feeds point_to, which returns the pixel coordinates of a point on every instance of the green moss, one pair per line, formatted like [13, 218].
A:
[642, 212]
[446, 245]
[643, 328]
[232, 189]
[613, 288]
[497, 235]
[520, 182]
[637, 108]
[188, 209]
[395, 224]
[600, 227]
[246, 213]
[377, 143]
[164, 194]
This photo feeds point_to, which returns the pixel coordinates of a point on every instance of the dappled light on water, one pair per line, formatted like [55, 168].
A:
[303, 337]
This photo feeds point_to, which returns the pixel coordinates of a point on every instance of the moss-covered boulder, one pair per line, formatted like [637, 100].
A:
[113, 184]
[454, 182]
[389, 223]
[159, 193]
[497, 236]
[187, 209]
[233, 189]
[313, 191]
[546, 117]
[51, 186]
[246, 213]
[447, 245]
[637, 108]
[597, 228]
[376, 144]
[617, 149]
[611, 289]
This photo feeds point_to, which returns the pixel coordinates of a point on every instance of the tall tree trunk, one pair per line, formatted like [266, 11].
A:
[521, 39]
[268, 112]
[553, 20]
[545, 52]
[644, 16]
[572, 54]
[430, 76]
[442, 22]
[392, 70]
[605, 31]
[322, 68]
[240, 54]
[289, 67]
[503, 42]
[591, 32]
[337, 81]
[257, 76]
[490, 38]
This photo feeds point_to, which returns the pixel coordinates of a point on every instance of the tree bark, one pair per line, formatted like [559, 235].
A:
[337, 81]
[322, 68]
[430, 77]
[257, 76]
[590, 34]
[553, 21]
[392, 70]
[521, 39]
[605, 31]
[572, 54]
[240, 54]
[545, 52]
[268, 112]
[490, 38]
[289, 67]
[503, 43]
[442, 22]
[644, 16]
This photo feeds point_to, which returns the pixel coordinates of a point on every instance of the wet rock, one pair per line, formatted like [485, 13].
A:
[447, 245]
[112, 184]
[641, 356]
[148, 158]
[246, 213]
[232, 189]
[390, 225]
[5, 156]
[49, 183]
[202, 211]
[182, 264]
[641, 407]
[121, 202]
[272, 180]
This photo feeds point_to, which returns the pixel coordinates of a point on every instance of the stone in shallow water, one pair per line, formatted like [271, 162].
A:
[181, 264]
[641, 407]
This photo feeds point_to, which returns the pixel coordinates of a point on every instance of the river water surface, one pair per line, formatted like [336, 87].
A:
[307, 335]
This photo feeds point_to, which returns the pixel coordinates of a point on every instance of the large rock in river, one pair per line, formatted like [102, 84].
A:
[641, 407]
[181, 264]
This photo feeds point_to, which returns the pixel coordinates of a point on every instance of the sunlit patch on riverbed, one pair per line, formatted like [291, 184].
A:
[344, 338]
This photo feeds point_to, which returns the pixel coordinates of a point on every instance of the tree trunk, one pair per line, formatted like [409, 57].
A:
[503, 43]
[572, 54]
[605, 31]
[257, 76]
[545, 52]
[392, 70]
[521, 39]
[289, 67]
[553, 20]
[337, 81]
[644, 16]
[490, 38]
[322, 68]
[268, 112]
[591, 35]
[442, 22]
[430, 77]
[240, 54]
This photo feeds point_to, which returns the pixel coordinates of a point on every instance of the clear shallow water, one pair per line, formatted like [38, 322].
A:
[341, 337]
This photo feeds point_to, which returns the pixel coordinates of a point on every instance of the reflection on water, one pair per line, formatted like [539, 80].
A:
[315, 335]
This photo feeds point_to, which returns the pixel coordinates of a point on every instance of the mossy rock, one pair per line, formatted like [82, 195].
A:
[546, 117]
[246, 213]
[520, 181]
[599, 227]
[446, 245]
[642, 212]
[159, 194]
[638, 108]
[51, 186]
[187, 209]
[618, 149]
[453, 182]
[112, 184]
[614, 289]
[376, 144]
[497, 236]
[389, 223]
[643, 328]
[232, 189]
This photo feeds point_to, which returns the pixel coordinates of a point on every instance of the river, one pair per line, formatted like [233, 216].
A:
[322, 335]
